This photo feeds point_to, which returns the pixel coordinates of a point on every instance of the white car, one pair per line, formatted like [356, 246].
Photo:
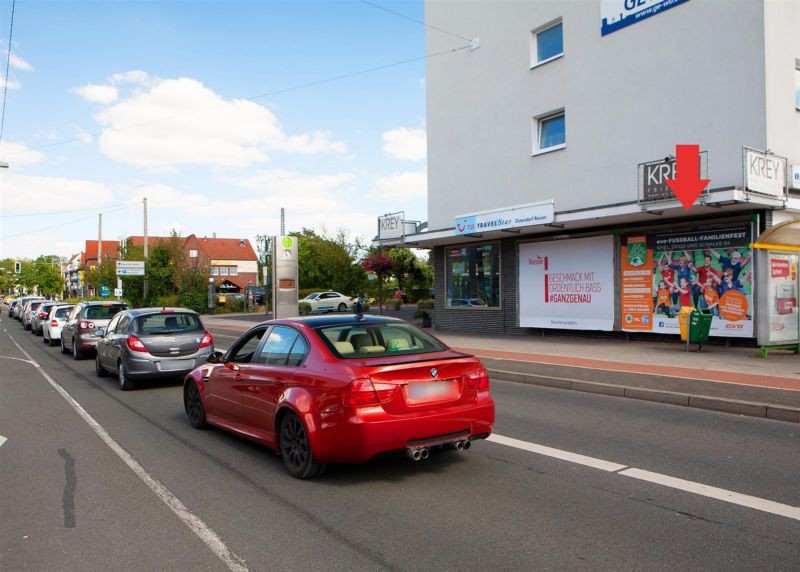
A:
[328, 302]
[53, 324]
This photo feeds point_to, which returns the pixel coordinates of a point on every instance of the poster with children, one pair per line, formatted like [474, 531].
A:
[708, 269]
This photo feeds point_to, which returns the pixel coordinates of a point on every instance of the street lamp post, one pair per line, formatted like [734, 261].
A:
[211, 303]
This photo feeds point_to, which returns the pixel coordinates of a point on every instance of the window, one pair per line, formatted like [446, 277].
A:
[214, 271]
[243, 351]
[472, 274]
[550, 132]
[234, 270]
[547, 43]
[284, 346]
[797, 85]
[376, 340]
[223, 270]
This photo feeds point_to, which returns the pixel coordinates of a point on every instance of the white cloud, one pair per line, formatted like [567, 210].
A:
[16, 154]
[181, 122]
[408, 144]
[403, 186]
[97, 93]
[54, 192]
[14, 84]
[280, 182]
[136, 77]
[18, 63]
[32, 246]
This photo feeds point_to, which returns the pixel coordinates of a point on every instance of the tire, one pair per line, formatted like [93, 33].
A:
[99, 369]
[64, 350]
[51, 342]
[343, 307]
[76, 353]
[125, 383]
[45, 340]
[193, 405]
[295, 449]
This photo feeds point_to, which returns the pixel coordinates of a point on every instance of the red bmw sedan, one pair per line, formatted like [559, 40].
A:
[342, 389]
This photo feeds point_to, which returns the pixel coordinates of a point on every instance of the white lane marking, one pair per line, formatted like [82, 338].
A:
[558, 454]
[715, 493]
[3, 440]
[724, 495]
[194, 522]
[17, 358]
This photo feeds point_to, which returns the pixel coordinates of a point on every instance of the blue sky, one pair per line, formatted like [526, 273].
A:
[179, 101]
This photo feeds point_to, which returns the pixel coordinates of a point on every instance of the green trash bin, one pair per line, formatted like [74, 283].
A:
[699, 328]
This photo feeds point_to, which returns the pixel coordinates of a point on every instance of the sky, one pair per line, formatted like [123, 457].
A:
[218, 112]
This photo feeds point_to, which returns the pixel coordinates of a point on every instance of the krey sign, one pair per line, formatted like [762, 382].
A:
[764, 173]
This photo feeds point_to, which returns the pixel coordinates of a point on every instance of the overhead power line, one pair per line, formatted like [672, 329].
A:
[63, 211]
[431, 26]
[63, 223]
[8, 66]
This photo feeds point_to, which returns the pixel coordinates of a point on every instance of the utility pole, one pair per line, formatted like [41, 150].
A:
[145, 281]
[99, 238]
[283, 222]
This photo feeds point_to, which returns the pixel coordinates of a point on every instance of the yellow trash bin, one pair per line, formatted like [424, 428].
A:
[683, 321]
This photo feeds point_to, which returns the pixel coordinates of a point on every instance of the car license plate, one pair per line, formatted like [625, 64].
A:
[431, 390]
[176, 364]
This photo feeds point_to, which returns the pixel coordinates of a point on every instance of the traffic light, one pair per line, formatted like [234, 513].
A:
[17, 267]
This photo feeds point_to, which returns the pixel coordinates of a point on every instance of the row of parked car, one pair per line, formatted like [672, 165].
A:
[134, 345]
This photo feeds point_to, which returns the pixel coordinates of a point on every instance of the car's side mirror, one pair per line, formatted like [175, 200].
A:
[99, 333]
[215, 357]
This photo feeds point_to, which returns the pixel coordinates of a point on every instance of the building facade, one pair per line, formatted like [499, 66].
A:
[552, 138]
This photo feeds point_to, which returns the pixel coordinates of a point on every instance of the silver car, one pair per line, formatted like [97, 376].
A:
[152, 343]
[77, 335]
[31, 308]
[54, 323]
[39, 316]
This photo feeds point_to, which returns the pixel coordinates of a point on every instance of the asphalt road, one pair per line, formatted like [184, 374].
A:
[182, 499]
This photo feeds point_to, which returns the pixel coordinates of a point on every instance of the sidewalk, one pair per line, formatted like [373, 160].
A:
[730, 379]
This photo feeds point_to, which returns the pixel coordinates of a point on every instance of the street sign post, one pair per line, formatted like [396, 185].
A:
[130, 267]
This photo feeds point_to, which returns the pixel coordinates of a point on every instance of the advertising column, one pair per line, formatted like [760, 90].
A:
[710, 269]
[284, 271]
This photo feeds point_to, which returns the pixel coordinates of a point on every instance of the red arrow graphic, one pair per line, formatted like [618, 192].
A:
[687, 184]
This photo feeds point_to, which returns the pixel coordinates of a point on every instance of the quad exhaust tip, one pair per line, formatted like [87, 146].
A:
[422, 453]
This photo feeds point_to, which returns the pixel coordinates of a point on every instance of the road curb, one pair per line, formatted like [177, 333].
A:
[718, 404]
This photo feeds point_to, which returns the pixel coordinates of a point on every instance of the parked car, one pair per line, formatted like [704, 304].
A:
[346, 388]
[30, 311]
[21, 306]
[77, 335]
[54, 323]
[39, 315]
[12, 306]
[328, 302]
[150, 343]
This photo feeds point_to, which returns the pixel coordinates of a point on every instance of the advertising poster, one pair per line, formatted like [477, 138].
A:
[707, 269]
[567, 284]
[782, 299]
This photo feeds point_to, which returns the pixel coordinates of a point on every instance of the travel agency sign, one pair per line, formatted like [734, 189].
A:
[532, 214]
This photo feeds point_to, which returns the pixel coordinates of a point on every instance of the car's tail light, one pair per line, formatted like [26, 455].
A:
[42, 315]
[84, 325]
[478, 379]
[54, 323]
[135, 344]
[207, 340]
[362, 392]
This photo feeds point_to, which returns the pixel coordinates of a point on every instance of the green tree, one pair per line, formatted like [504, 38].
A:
[412, 273]
[104, 273]
[8, 280]
[47, 270]
[329, 263]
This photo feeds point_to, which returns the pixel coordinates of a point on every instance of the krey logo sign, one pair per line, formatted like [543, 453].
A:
[567, 284]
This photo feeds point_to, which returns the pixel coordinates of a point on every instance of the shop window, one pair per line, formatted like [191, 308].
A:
[473, 276]
[547, 43]
[550, 132]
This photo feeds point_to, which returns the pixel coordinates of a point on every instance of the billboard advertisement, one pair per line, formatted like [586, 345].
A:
[617, 14]
[782, 298]
[567, 284]
[710, 269]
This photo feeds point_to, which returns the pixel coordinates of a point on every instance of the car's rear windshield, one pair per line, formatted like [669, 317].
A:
[104, 312]
[358, 340]
[63, 311]
[176, 322]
